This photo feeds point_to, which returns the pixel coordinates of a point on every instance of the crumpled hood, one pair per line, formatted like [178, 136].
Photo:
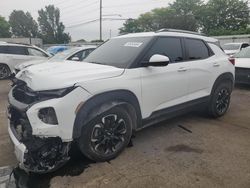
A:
[242, 62]
[50, 76]
[29, 63]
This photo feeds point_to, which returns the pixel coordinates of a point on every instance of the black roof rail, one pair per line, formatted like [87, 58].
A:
[180, 31]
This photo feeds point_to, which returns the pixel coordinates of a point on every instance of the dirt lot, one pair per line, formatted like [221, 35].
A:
[206, 153]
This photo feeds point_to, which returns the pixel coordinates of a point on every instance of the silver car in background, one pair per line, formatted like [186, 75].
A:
[72, 54]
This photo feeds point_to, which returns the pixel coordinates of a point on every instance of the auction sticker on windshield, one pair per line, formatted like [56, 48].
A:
[133, 44]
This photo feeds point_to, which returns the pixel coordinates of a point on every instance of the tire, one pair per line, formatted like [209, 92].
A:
[4, 71]
[107, 135]
[220, 100]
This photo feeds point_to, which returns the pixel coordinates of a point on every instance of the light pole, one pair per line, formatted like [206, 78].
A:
[100, 20]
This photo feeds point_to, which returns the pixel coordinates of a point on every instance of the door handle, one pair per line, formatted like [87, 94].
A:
[182, 69]
[216, 65]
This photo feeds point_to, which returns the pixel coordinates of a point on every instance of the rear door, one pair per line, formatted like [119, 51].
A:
[201, 68]
[165, 86]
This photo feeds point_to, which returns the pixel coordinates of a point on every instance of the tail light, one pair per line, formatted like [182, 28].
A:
[232, 60]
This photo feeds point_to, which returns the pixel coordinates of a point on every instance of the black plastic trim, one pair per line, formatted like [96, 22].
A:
[174, 111]
[102, 102]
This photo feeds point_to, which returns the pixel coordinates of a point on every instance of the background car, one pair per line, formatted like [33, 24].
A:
[56, 49]
[242, 66]
[72, 54]
[12, 55]
[232, 48]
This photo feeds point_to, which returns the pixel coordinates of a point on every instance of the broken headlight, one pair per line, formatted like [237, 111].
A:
[48, 116]
[57, 93]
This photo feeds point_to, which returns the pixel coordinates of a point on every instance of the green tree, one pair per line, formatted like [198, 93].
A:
[81, 40]
[52, 29]
[181, 14]
[22, 24]
[4, 28]
[130, 26]
[224, 16]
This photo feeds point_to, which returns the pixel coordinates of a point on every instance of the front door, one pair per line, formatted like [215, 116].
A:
[165, 86]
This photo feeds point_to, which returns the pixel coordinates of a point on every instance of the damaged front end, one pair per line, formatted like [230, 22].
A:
[35, 153]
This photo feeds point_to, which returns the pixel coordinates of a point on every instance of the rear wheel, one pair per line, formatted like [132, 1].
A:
[4, 71]
[106, 135]
[220, 100]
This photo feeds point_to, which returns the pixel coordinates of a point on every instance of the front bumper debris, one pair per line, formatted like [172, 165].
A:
[35, 154]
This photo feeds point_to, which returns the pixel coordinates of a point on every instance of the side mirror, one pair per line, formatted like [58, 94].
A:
[157, 60]
[75, 59]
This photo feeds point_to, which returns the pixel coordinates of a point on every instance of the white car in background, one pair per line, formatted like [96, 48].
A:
[233, 48]
[12, 54]
[72, 54]
[242, 66]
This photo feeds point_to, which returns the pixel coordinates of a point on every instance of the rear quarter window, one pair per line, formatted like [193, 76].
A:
[196, 49]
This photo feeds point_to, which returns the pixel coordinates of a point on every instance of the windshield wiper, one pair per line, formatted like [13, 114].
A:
[96, 62]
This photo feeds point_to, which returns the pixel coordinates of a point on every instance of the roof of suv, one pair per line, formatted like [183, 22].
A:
[169, 33]
[14, 44]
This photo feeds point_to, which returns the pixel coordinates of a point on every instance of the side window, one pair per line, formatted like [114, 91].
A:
[3, 49]
[196, 49]
[77, 56]
[35, 52]
[244, 45]
[167, 46]
[17, 50]
[87, 52]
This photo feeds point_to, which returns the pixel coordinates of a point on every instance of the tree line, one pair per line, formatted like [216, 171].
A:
[48, 25]
[215, 17]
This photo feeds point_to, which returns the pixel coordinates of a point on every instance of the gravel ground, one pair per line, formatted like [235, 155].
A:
[188, 151]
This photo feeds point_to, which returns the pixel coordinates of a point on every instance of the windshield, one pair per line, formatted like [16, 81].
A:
[244, 53]
[63, 55]
[231, 46]
[118, 52]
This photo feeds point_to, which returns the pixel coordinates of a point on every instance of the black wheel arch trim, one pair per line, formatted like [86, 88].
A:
[228, 76]
[102, 102]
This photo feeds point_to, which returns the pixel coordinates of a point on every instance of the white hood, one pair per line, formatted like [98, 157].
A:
[29, 63]
[242, 62]
[49, 76]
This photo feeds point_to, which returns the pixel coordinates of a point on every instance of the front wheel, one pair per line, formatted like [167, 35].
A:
[106, 135]
[4, 71]
[220, 100]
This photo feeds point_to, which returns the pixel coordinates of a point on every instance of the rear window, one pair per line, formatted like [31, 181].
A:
[196, 49]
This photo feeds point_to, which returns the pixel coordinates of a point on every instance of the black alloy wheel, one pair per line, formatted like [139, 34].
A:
[4, 71]
[108, 135]
[222, 101]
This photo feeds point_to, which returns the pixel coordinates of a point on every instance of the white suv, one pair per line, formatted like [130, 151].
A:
[126, 84]
[12, 54]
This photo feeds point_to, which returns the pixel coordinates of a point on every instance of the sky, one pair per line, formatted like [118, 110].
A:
[76, 12]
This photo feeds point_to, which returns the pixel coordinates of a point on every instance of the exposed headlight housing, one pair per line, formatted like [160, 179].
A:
[48, 116]
[57, 93]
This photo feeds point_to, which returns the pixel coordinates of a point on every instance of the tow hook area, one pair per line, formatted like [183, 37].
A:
[45, 154]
